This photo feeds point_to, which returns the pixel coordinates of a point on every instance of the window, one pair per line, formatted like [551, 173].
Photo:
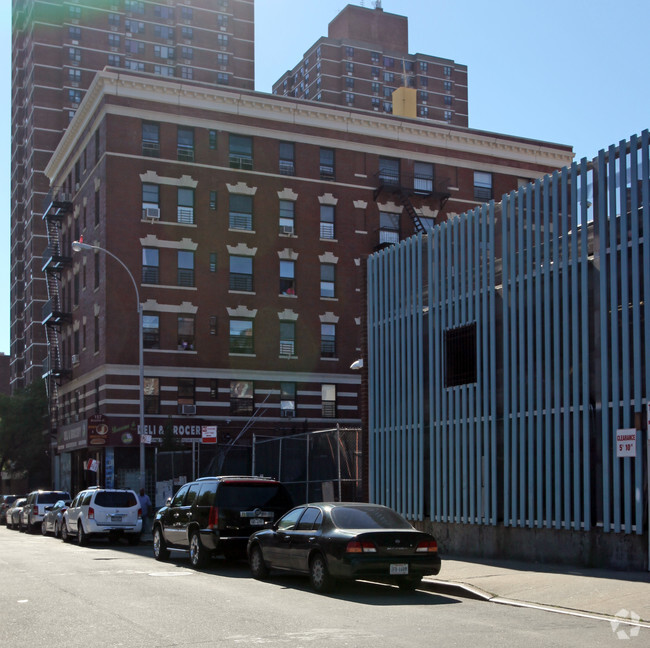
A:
[424, 66]
[241, 212]
[375, 87]
[214, 389]
[186, 390]
[448, 99]
[136, 66]
[287, 338]
[97, 207]
[74, 74]
[163, 31]
[213, 200]
[482, 186]
[388, 227]
[134, 6]
[223, 40]
[132, 26]
[187, 72]
[447, 86]
[446, 70]
[327, 164]
[288, 399]
[74, 12]
[187, 13]
[424, 82]
[186, 332]
[241, 336]
[287, 158]
[213, 262]
[115, 60]
[185, 143]
[287, 217]
[185, 268]
[187, 32]
[375, 72]
[389, 77]
[187, 52]
[349, 52]
[151, 395]
[185, 206]
[460, 356]
[223, 78]
[150, 266]
[349, 67]
[135, 47]
[113, 40]
[114, 20]
[223, 59]
[424, 95]
[212, 139]
[389, 62]
[388, 91]
[327, 280]
[389, 173]
[287, 277]
[241, 397]
[150, 200]
[222, 21]
[240, 150]
[96, 277]
[375, 103]
[374, 57]
[424, 111]
[241, 273]
[74, 33]
[74, 96]
[150, 331]
[150, 139]
[166, 13]
[423, 177]
[448, 115]
[162, 51]
[328, 401]
[327, 221]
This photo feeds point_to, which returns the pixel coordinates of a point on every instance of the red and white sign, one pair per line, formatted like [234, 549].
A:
[209, 434]
[626, 443]
[92, 465]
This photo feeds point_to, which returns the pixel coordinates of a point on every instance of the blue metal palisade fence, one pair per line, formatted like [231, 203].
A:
[553, 283]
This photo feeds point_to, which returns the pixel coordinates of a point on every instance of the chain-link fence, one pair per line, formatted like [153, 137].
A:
[325, 465]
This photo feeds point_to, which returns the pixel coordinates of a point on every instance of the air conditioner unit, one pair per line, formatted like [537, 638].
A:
[188, 410]
[75, 359]
[286, 229]
[152, 212]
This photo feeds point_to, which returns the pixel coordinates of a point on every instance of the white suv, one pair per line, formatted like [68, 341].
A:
[103, 512]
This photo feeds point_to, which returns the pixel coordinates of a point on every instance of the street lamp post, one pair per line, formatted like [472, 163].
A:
[80, 246]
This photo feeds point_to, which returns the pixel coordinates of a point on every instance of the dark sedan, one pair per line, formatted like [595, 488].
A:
[347, 541]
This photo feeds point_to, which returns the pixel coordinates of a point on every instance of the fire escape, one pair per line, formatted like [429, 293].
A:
[410, 189]
[57, 206]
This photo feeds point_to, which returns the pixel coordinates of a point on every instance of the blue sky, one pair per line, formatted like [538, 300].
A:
[558, 71]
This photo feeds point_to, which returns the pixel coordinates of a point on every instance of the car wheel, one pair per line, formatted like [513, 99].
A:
[160, 551]
[9, 525]
[82, 538]
[409, 583]
[43, 529]
[198, 553]
[258, 567]
[65, 536]
[319, 575]
[57, 530]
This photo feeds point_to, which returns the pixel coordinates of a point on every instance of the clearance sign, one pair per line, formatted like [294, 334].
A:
[626, 443]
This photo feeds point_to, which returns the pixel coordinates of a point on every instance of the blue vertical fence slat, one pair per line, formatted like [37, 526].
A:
[530, 370]
[505, 266]
[520, 334]
[492, 420]
[557, 341]
[539, 358]
[446, 428]
[584, 300]
[601, 179]
[636, 327]
[614, 375]
[566, 328]
[548, 365]
[645, 211]
[471, 426]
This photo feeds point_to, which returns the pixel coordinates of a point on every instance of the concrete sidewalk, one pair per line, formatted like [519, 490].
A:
[592, 592]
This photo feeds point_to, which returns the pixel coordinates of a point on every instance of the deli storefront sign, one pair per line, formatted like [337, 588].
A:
[101, 431]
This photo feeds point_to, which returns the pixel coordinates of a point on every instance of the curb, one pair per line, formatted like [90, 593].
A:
[463, 590]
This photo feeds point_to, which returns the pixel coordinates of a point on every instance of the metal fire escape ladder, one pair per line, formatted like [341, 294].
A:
[411, 211]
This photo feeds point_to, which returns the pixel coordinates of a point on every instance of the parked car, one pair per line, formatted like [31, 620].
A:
[13, 513]
[331, 541]
[34, 509]
[103, 512]
[216, 515]
[5, 503]
[53, 517]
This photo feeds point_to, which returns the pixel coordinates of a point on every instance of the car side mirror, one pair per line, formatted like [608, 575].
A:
[168, 502]
[49, 508]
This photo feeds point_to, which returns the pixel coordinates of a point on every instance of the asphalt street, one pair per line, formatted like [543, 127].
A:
[56, 594]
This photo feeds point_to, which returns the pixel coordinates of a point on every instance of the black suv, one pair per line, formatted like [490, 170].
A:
[216, 515]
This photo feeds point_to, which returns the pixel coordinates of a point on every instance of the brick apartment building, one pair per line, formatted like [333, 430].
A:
[365, 58]
[57, 47]
[246, 220]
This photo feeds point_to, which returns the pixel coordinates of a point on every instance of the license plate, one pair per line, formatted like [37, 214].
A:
[399, 570]
[116, 518]
[257, 522]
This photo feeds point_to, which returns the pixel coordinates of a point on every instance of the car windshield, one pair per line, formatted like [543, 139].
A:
[253, 495]
[367, 517]
[115, 499]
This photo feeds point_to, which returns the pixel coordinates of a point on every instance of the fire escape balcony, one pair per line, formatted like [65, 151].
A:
[408, 185]
[52, 316]
[54, 261]
[57, 204]
[52, 370]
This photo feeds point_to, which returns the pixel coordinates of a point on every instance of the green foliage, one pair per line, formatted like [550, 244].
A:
[24, 442]
[169, 441]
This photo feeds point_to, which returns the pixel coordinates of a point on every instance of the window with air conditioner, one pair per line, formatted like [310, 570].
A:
[150, 200]
[288, 399]
[287, 217]
[287, 338]
[241, 397]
